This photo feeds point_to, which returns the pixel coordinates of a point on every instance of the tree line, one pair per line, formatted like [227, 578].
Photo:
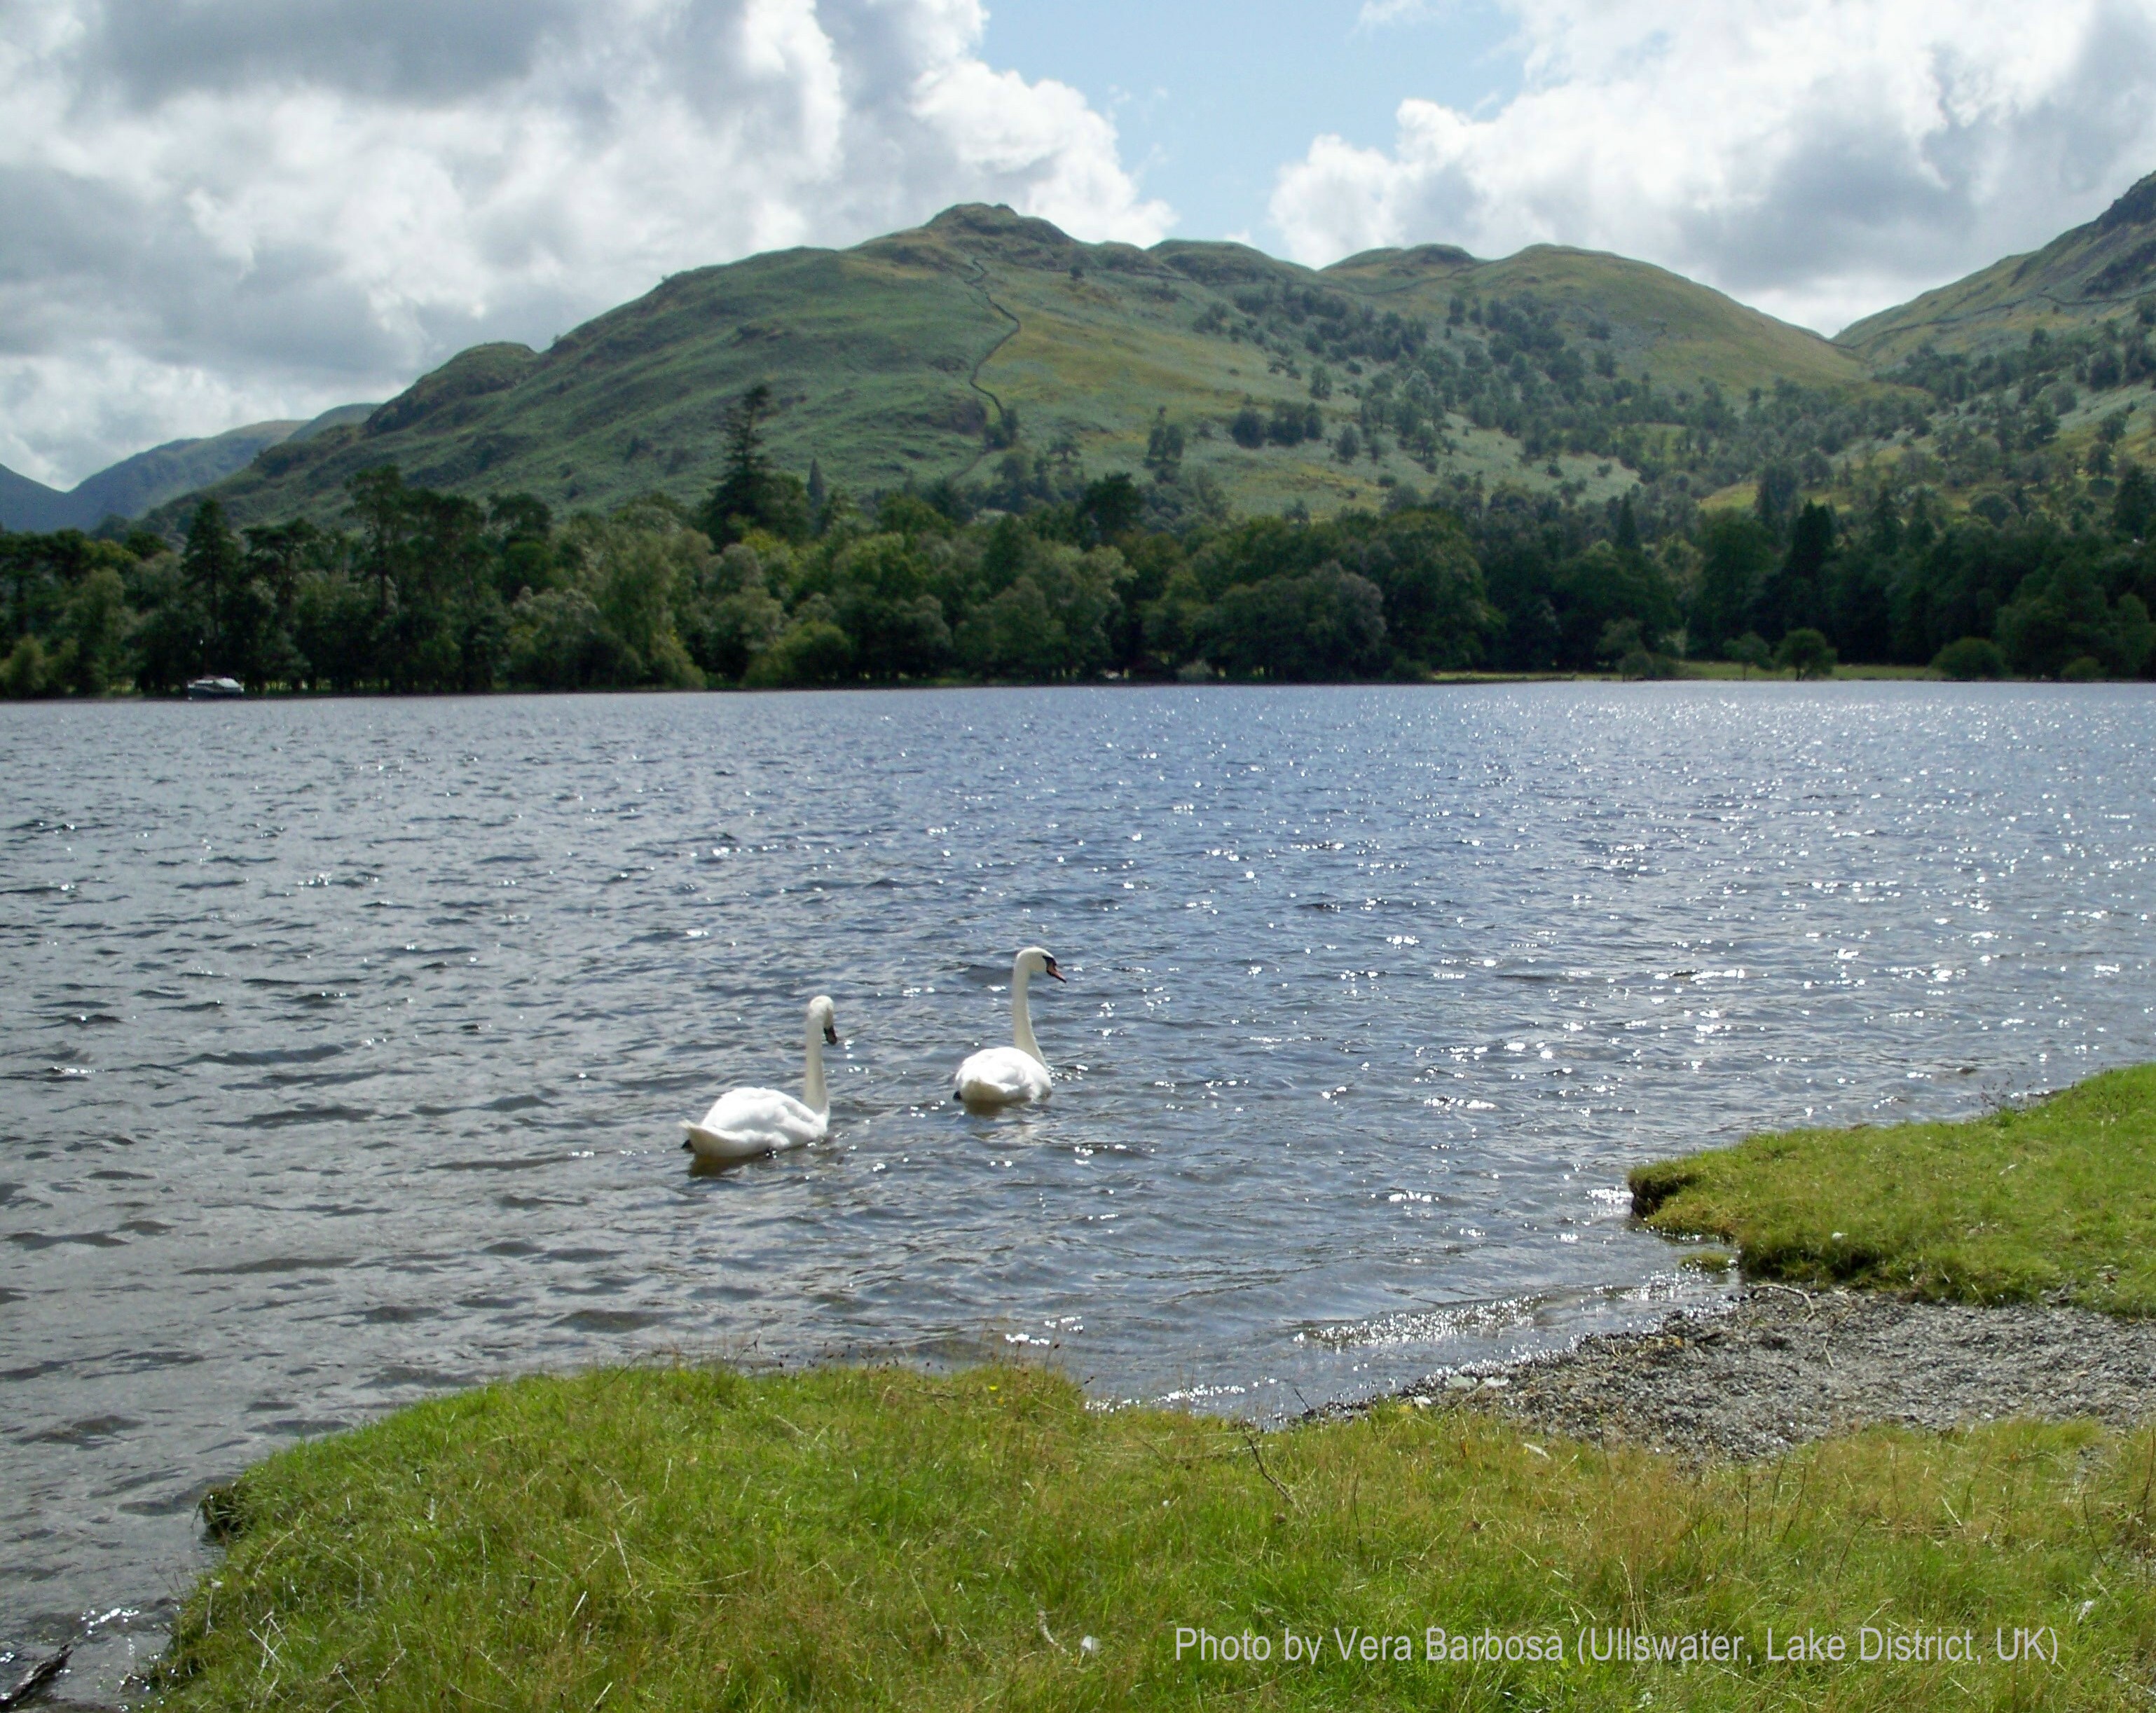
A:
[1039, 575]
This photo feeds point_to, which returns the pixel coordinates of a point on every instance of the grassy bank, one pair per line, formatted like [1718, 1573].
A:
[876, 1538]
[2053, 1200]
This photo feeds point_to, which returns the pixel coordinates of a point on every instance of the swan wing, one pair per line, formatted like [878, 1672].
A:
[743, 1123]
[999, 1076]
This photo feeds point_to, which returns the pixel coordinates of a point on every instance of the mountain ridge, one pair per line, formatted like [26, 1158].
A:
[924, 354]
[936, 352]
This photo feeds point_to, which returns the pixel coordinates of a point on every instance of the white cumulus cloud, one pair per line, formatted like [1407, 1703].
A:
[214, 211]
[1820, 159]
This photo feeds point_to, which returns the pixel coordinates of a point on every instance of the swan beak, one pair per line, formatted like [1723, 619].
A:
[830, 1035]
[1049, 968]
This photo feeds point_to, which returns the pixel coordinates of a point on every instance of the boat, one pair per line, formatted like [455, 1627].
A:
[214, 689]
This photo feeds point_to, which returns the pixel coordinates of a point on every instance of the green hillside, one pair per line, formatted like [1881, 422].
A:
[2100, 272]
[938, 353]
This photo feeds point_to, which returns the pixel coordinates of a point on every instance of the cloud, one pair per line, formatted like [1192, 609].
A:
[1820, 158]
[216, 210]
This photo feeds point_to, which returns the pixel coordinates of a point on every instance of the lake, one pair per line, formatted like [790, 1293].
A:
[347, 1042]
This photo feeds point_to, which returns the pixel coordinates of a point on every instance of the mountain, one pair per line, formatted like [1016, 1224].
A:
[135, 485]
[2102, 271]
[926, 354]
[25, 505]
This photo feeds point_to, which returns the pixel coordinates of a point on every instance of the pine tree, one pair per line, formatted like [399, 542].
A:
[212, 563]
[738, 500]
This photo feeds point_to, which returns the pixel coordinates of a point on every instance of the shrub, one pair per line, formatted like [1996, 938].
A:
[2087, 668]
[815, 651]
[27, 671]
[1971, 658]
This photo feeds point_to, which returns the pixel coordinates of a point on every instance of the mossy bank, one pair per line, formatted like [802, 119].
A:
[2051, 1201]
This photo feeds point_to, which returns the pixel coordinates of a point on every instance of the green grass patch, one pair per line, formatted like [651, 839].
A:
[2053, 1200]
[853, 1538]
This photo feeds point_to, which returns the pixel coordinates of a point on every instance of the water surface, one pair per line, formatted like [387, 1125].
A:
[346, 1043]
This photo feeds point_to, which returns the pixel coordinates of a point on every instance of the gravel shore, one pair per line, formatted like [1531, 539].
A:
[1781, 1366]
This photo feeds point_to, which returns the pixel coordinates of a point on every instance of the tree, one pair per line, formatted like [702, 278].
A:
[1601, 584]
[1328, 624]
[750, 494]
[1748, 651]
[1807, 652]
[1776, 493]
[1736, 550]
[97, 623]
[1622, 646]
[1111, 507]
[2061, 615]
[213, 565]
[1437, 610]
[813, 651]
[1164, 447]
[380, 504]
[879, 587]
[1789, 599]
[523, 529]
[2134, 506]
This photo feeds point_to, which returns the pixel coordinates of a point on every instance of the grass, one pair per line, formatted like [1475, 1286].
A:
[1731, 670]
[2056, 1200]
[872, 1538]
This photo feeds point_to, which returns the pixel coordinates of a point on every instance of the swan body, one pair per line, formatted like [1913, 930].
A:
[746, 1123]
[1004, 1076]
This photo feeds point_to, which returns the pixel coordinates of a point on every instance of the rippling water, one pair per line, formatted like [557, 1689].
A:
[347, 1042]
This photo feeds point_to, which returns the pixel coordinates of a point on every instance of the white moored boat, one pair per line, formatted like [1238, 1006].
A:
[213, 690]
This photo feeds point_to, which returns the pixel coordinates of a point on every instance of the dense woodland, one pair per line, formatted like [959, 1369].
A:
[1035, 573]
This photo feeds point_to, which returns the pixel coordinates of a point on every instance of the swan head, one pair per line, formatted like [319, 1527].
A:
[821, 1014]
[1035, 961]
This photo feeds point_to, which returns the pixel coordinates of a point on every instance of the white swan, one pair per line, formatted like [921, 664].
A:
[744, 1123]
[1000, 1076]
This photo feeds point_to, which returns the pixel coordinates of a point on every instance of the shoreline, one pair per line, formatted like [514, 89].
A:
[1779, 1368]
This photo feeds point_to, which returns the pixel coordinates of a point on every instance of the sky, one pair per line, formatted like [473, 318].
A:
[219, 212]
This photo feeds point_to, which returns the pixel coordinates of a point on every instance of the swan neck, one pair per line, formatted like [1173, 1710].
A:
[1022, 1016]
[813, 1094]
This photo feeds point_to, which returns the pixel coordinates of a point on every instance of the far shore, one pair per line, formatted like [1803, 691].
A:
[1716, 672]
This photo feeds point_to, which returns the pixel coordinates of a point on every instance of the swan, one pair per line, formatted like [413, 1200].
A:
[744, 1123]
[1001, 1076]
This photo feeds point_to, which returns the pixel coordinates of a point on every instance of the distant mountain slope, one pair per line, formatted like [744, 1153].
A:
[2104, 269]
[27, 504]
[916, 356]
[136, 484]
